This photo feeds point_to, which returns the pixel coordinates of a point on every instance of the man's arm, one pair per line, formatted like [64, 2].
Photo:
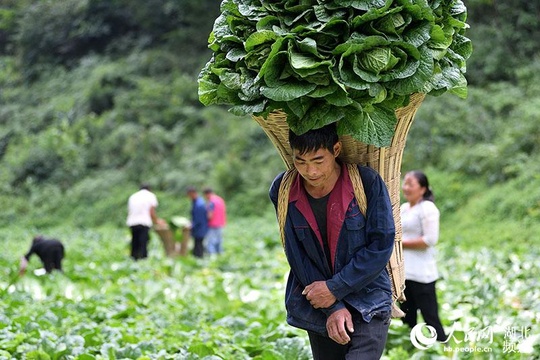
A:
[339, 321]
[153, 214]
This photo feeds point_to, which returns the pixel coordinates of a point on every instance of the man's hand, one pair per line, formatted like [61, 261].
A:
[318, 295]
[339, 324]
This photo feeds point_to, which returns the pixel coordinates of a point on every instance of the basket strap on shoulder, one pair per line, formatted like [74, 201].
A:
[283, 200]
[358, 186]
[394, 266]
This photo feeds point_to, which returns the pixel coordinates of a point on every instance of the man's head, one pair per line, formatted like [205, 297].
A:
[315, 153]
[191, 192]
[313, 140]
[37, 238]
[207, 192]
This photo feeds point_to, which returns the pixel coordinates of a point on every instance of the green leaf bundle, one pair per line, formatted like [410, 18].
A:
[348, 61]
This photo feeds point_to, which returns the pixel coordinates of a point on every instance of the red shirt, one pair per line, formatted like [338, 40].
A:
[219, 215]
[338, 203]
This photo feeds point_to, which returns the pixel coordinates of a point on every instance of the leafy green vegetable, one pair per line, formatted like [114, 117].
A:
[353, 61]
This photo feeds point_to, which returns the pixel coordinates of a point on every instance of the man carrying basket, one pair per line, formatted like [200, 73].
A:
[338, 289]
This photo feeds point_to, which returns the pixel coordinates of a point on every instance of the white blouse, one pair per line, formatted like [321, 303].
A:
[421, 220]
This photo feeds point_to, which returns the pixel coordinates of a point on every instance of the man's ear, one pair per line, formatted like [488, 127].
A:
[337, 149]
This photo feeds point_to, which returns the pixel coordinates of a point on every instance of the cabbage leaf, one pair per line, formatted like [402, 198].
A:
[353, 62]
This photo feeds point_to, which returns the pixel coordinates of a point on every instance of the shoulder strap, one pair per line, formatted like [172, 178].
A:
[395, 265]
[283, 200]
[358, 186]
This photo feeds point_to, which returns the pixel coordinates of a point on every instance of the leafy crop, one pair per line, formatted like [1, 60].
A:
[353, 62]
[105, 306]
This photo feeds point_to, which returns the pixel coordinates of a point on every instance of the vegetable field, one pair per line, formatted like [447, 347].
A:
[106, 306]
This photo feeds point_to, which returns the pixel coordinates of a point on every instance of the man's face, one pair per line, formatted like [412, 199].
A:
[316, 167]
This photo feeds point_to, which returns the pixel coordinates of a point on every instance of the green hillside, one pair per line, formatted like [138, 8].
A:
[97, 96]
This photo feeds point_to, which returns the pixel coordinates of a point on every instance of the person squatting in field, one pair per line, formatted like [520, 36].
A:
[338, 287]
[50, 251]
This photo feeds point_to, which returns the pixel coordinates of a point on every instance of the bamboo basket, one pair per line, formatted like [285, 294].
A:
[385, 160]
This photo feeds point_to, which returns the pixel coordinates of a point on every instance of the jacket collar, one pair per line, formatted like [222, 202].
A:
[338, 203]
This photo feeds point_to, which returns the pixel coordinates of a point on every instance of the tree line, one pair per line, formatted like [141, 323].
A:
[98, 95]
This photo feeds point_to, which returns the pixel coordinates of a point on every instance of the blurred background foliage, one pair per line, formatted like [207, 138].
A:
[97, 96]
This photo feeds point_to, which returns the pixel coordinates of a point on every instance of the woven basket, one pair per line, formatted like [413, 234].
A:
[385, 160]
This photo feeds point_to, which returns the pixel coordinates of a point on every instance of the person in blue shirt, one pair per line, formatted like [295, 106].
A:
[199, 221]
[338, 289]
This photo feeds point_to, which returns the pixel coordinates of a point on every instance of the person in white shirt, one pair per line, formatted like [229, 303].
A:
[420, 229]
[141, 216]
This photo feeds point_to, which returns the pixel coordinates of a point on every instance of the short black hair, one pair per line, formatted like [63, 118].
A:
[322, 138]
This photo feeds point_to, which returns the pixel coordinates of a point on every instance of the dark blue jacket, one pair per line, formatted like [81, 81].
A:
[199, 218]
[359, 279]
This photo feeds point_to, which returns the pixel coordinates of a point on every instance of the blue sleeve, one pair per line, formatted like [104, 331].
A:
[274, 189]
[199, 218]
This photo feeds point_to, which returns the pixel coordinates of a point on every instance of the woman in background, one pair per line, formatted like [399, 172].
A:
[420, 227]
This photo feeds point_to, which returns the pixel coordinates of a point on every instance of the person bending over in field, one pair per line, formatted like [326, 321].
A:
[50, 251]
